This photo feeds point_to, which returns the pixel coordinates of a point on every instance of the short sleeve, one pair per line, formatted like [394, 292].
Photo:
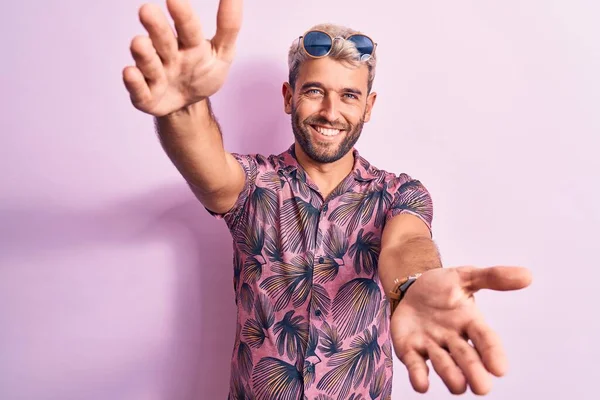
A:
[413, 198]
[236, 212]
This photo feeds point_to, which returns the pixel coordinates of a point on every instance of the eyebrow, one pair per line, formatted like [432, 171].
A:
[319, 85]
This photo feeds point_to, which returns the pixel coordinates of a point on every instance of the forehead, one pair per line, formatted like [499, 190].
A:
[333, 74]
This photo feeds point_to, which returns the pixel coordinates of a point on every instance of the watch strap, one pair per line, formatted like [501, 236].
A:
[399, 290]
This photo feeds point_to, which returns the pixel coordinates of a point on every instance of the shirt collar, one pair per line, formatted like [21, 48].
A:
[362, 170]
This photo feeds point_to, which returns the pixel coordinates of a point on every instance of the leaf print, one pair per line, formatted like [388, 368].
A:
[311, 357]
[255, 330]
[263, 311]
[352, 366]
[377, 383]
[364, 163]
[300, 222]
[265, 204]
[384, 315]
[252, 270]
[358, 175]
[292, 335]
[335, 242]
[336, 245]
[327, 270]
[324, 397]
[386, 394]
[365, 252]
[320, 300]
[358, 207]
[292, 281]
[387, 351]
[254, 333]
[247, 297]
[331, 342]
[244, 357]
[276, 379]
[261, 160]
[380, 200]
[273, 247]
[413, 196]
[299, 184]
[356, 305]
[342, 188]
[237, 271]
[239, 391]
[251, 239]
[349, 212]
[313, 341]
[272, 180]
[356, 396]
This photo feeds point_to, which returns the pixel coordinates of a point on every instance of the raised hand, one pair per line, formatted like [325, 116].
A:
[438, 317]
[173, 72]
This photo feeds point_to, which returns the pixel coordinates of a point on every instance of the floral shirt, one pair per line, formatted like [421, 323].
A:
[313, 319]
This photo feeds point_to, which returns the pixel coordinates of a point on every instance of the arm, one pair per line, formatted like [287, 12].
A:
[173, 78]
[192, 139]
[406, 249]
[437, 320]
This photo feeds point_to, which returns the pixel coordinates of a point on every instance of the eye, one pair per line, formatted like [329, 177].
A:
[313, 91]
[351, 96]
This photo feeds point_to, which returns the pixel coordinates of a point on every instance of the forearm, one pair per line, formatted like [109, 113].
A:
[412, 256]
[192, 140]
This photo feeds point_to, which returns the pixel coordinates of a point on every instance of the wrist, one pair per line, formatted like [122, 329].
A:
[187, 122]
[399, 289]
[200, 109]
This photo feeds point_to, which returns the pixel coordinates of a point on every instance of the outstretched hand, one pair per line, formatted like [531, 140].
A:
[172, 72]
[438, 317]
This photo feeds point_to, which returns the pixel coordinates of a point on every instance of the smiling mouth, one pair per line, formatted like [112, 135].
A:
[330, 132]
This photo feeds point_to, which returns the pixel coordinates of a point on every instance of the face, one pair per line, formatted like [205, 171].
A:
[328, 106]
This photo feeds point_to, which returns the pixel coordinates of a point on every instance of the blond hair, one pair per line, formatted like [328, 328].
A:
[342, 50]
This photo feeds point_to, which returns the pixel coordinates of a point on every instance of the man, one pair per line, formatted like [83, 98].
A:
[333, 259]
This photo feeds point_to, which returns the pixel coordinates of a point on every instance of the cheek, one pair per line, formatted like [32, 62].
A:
[306, 108]
[354, 115]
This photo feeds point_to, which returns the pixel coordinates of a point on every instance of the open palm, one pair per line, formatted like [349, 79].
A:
[172, 72]
[438, 320]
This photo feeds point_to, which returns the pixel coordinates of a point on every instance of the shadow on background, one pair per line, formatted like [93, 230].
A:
[250, 111]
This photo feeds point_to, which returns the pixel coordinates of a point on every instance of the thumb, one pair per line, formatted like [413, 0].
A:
[495, 278]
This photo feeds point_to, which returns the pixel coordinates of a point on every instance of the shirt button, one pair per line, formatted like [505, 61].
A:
[318, 313]
[310, 368]
[325, 208]
[321, 260]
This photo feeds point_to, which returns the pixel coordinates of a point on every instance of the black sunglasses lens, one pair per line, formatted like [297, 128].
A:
[317, 44]
[363, 44]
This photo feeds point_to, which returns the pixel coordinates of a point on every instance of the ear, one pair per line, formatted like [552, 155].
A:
[288, 94]
[370, 103]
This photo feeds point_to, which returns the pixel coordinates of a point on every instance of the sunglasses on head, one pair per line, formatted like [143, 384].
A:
[318, 44]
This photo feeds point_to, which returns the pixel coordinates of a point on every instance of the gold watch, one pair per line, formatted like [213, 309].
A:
[399, 290]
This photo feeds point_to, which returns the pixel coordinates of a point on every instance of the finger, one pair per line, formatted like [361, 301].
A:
[136, 86]
[187, 24]
[488, 345]
[495, 278]
[418, 371]
[146, 58]
[157, 25]
[445, 366]
[229, 22]
[470, 363]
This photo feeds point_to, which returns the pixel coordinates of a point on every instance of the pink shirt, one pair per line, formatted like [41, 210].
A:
[313, 320]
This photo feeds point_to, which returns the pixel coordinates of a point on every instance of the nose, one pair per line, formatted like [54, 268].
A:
[330, 108]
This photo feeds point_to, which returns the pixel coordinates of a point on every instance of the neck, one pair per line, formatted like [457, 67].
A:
[327, 176]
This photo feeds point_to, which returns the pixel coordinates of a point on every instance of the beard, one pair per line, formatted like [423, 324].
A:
[322, 152]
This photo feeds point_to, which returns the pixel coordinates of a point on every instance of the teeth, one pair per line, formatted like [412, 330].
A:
[327, 131]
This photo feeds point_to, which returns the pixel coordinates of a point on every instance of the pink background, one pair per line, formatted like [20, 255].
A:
[116, 284]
